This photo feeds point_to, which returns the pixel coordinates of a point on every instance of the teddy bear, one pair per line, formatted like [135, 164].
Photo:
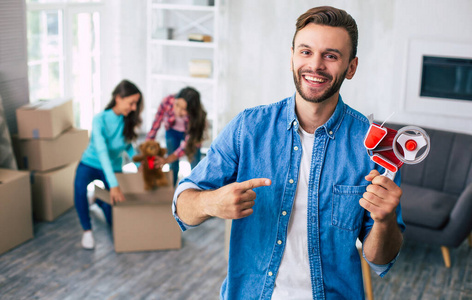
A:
[153, 177]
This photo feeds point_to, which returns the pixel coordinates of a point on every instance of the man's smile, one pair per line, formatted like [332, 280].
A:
[313, 79]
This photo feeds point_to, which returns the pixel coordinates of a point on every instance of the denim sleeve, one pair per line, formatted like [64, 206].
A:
[182, 187]
[217, 169]
[380, 270]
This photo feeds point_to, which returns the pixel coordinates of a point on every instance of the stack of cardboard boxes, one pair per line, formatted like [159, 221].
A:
[49, 147]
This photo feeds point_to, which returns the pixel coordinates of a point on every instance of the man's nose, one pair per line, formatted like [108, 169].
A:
[316, 63]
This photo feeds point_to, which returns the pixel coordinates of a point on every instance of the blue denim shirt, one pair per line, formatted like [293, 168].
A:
[264, 142]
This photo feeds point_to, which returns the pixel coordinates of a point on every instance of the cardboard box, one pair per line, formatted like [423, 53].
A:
[53, 192]
[44, 119]
[144, 221]
[16, 224]
[48, 154]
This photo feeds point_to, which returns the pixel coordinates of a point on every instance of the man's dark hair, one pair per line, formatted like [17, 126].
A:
[329, 16]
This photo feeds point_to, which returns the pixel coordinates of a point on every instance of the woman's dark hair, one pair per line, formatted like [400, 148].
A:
[124, 89]
[196, 119]
[330, 16]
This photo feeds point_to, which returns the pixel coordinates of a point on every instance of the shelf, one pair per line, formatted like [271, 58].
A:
[183, 7]
[172, 72]
[183, 43]
[188, 79]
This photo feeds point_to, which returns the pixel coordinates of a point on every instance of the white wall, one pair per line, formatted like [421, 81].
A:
[255, 40]
[123, 45]
[444, 21]
[260, 32]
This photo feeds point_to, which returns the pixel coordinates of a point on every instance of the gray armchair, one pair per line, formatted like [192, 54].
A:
[437, 193]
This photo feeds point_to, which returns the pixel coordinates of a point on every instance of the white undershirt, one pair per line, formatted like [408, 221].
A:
[293, 278]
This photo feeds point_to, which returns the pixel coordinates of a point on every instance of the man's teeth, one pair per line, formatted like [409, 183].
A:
[311, 78]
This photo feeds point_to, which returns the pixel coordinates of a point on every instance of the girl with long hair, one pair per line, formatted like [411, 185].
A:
[113, 130]
[185, 122]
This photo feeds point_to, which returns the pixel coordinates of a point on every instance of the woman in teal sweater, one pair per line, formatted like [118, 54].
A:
[113, 130]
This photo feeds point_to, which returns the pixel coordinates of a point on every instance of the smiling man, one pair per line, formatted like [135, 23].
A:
[295, 178]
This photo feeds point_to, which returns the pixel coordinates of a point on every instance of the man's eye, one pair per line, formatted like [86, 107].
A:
[331, 56]
[305, 52]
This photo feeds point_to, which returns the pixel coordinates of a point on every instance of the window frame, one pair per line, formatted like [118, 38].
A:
[69, 9]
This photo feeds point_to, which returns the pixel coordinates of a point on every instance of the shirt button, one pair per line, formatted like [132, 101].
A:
[291, 181]
[284, 213]
[330, 132]
[295, 123]
[270, 274]
[279, 242]
[295, 148]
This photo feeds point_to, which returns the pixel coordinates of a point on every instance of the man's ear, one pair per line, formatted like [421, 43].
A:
[291, 59]
[352, 68]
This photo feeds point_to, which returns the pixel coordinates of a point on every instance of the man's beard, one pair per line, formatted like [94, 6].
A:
[327, 94]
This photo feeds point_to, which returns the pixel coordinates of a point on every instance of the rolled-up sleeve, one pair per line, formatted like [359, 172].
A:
[380, 270]
[182, 187]
[217, 169]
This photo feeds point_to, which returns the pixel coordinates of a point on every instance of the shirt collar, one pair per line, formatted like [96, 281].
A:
[331, 126]
[291, 116]
[334, 122]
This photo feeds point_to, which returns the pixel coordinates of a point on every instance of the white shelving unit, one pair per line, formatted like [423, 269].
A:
[168, 59]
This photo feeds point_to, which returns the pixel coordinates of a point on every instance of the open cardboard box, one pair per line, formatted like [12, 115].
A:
[143, 222]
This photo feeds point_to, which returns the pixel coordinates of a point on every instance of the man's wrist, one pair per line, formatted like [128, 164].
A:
[206, 203]
[387, 222]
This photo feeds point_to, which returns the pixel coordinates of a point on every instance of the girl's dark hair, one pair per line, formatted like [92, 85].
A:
[330, 16]
[196, 119]
[133, 120]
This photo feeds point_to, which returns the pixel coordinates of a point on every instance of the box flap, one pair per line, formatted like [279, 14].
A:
[132, 186]
[44, 104]
[7, 175]
[44, 119]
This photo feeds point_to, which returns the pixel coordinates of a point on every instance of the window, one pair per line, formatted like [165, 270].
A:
[64, 54]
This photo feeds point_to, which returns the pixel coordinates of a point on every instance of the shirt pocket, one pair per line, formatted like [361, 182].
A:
[347, 212]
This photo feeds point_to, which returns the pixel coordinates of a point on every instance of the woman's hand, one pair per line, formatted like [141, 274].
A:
[116, 195]
[159, 162]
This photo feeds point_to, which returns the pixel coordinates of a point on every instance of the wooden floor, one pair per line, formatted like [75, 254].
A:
[54, 266]
[420, 273]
